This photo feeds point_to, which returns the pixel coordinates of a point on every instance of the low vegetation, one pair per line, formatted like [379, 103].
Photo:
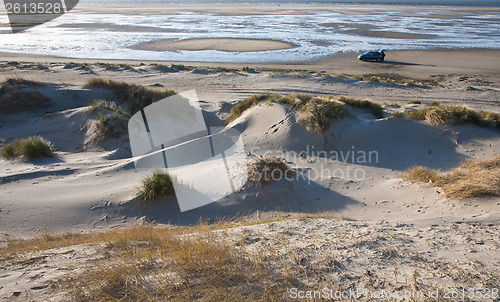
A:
[157, 185]
[375, 108]
[265, 170]
[110, 126]
[413, 102]
[316, 113]
[470, 179]
[28, 148]
[248, 69]
[445, 116]
[106, 105]
[179, 269]
[18, 95]
[135, 96]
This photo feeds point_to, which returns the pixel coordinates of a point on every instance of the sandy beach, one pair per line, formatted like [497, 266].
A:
[74, 225]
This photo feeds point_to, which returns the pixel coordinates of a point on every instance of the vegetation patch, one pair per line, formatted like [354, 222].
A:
[445, 116]
[375, 108]
[107, 105]
[18, 95]
[316, 113]
[28, 148]
[110, 126]
[266, 170]
[470, 179]
[135, 96]
[157, 185]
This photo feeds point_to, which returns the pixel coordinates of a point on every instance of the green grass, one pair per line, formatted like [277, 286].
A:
[434, 103]
[157, 185]
[29, 148]
[106, 66]
[126, 67]
[376, 109]
[179, 67]
[135, 96]
[413, 102]
[84, 66]
[247, 69]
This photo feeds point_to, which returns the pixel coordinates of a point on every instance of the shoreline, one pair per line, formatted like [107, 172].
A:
[412, 63]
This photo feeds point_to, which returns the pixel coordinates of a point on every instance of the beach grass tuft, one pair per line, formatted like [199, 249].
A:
[28, 148]
[157, 185]
[375, 108]
[106, 105]
[18, 95]
[472, 178]
[316, 113]
[135, 96]
[445, 116]
[110, 126]
[267, 169]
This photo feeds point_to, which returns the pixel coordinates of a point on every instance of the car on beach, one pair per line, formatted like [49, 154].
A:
[378, 56]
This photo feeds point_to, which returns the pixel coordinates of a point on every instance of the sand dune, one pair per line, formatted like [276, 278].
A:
[91, 185]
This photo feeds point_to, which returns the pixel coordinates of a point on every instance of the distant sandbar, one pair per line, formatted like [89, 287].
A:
[221, 44]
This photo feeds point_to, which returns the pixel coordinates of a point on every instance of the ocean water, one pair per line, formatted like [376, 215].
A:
[132, 3]
[315, 35]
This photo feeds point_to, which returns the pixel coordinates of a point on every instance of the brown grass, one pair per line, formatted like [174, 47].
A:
[265, 170]
[445, 116]
[177, 268]
[470, 179]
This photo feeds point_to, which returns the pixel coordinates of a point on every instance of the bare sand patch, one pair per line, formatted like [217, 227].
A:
[221, 44]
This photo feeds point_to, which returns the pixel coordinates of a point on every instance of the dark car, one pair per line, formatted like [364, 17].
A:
[372, 56]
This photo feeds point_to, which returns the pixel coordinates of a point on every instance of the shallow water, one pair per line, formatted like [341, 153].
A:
[316, 35]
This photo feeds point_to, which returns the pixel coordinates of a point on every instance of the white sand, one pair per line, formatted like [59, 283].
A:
[95, 189]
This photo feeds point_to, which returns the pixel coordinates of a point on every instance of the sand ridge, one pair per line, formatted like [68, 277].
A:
[221, 44]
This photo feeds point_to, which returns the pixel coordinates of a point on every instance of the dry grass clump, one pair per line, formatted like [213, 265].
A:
[376, 109]
[159, 266]
[265, 170]
[135, 96]
[28, 148]
[472, 178]
[17, 95]
[318, 114]
[109, 126]
[445, 116]
[157, 185]
[491, 116]
[106, 105]
[247, 103]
